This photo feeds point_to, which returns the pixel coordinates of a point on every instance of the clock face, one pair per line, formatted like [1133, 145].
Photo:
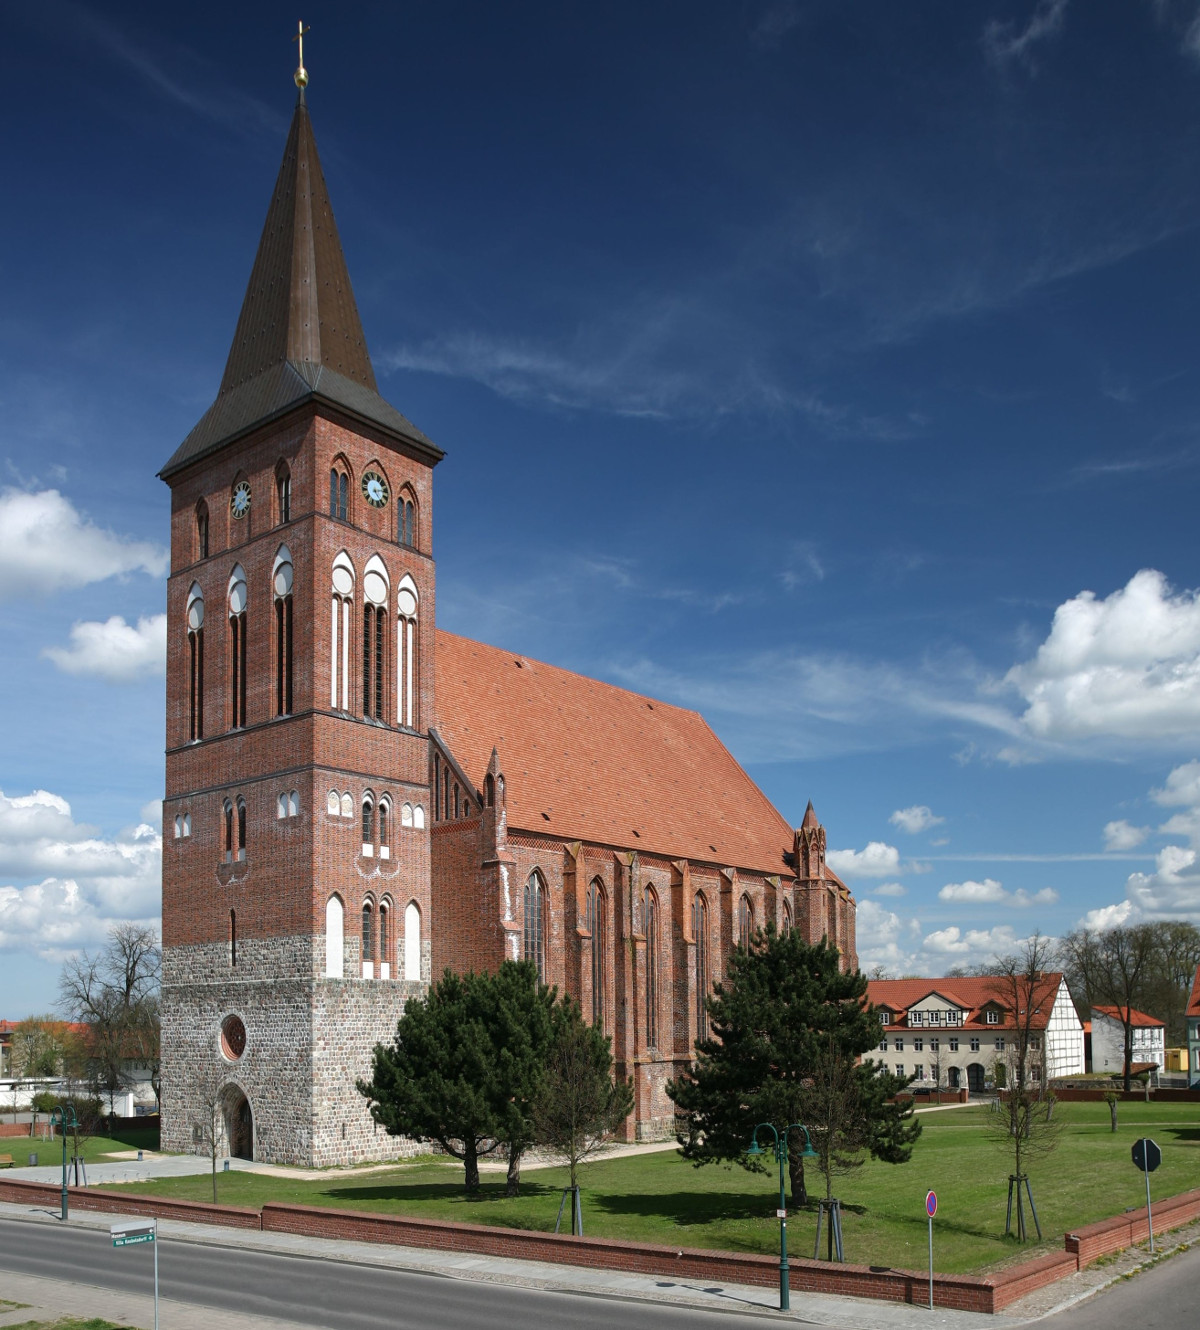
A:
[239, 504]
[375, 489]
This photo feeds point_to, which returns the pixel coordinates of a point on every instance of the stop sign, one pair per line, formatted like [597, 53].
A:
[1146, 1154]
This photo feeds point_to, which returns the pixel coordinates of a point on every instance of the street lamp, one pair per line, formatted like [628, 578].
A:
[64, 1122]
[781, 1154]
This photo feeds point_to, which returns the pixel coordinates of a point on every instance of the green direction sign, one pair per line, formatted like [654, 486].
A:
[129, 1235]
[130, 1239]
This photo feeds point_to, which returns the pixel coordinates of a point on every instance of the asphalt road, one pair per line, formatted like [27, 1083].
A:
[1164, 1298]
[326, 1293]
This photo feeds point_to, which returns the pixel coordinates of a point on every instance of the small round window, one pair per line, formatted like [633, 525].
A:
[233, 1037]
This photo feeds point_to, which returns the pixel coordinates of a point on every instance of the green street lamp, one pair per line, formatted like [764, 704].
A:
[64, 1122]
[781, 1154]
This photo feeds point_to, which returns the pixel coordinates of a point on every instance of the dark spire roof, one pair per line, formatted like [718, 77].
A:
[810, 817]
[298, 335]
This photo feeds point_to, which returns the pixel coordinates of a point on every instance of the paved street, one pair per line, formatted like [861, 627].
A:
[1163, 1298]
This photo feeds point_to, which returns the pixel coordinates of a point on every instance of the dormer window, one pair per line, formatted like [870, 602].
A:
[993, 1016]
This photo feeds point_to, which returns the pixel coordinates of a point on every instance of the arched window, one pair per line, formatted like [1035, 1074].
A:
[228, 810]
[745, 922]
[598, 926]
[831, 926]
[347, 806]
[374, 642]
[419, 817]
[368, 825]
[339, 493]
[700, 933]
[412, 941]
[195, 635]
[385, 919]
[446, 795]
[281, 806]
[651, 968]
[385, 818]
[406, 815]
[333, 803]
[535, 936]
[489, 790]
[283, 492]
[407, 674]
[237, 647]
[232, 937]
[334, 938]
[457, 805]
[202, 530]
[241, 829]
[281, 586]
[786, 926]
[368, 940]
[406, 519]
[343, 599]
[294, 804]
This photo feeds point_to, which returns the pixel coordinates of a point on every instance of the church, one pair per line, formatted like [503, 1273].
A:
[357, 801]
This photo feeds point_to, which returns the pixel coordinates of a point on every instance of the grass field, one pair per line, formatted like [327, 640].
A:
[660, 1198]
[92, 1148]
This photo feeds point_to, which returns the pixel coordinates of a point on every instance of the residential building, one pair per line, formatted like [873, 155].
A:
[952, 1032]
[1193, 1033]
[1108, 1040]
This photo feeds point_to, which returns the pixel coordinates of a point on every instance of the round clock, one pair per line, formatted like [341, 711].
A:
[375, 489]
[239, 504]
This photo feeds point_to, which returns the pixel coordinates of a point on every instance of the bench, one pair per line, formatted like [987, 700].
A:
[7, 1161]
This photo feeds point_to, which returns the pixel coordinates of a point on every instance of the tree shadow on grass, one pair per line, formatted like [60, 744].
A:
[449, 1193]
[1185, 1135]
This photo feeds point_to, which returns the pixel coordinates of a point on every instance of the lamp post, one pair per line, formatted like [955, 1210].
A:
[781, 1155]
[63, 1123]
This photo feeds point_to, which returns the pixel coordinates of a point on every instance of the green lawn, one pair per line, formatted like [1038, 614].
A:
[660, 1198]
[92, 1148]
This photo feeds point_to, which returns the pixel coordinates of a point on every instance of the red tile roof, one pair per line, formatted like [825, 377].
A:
[1193, 1007]
[971, 994]
[1136, 1018]
[584, 760]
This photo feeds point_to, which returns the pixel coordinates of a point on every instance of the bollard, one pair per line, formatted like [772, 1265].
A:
[139, 1156]
[227, 1166]
[33, 1161]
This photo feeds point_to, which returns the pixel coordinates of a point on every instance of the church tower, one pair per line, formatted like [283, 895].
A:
[300, 611]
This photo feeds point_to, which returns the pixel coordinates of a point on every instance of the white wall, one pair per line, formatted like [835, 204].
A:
[1108, 1044]
[1064, 1037]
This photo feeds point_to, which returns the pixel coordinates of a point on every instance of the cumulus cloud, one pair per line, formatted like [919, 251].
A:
[919, 817]
[115, 650]
[901, 946]
[1107, 916]
[991, 892]
[1172, 891]
[1125, 667]
[890, 889]
[1122, 835]
[877, 860]
[62, 884]
[955, 946]
[47, 545]
[1005, 44]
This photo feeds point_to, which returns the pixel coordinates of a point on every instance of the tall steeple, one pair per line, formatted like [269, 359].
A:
[299, 335]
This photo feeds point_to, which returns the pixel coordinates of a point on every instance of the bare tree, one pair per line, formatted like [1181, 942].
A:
[208, 1119]
[1112, 968]
[937, 1064]
[1175, 953]
[1022, 1119]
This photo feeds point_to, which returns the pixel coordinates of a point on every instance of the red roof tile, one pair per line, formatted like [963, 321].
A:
[971, 994]
[584, 760]
[1136, 1018]
[1193, 1007]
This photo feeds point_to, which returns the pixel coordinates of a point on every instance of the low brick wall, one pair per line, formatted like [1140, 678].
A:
[14, 1129]
[16, 1191]
[1089, 1243]
[1013, 1283]
[923, 1097]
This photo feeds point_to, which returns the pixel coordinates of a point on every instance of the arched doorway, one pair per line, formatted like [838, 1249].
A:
[955, 1078]
[239, 1124]
[975, 1077]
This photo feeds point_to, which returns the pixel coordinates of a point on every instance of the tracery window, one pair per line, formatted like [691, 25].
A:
[238, 598]
[787, 919]
[227, 808]
[195, 635]
[339, 665]
[745, 922]
[339, 493]
[651, 920]
[281, 586]
[535, 940]
[368, 825]
[700, 933]
[283, 492]
[406, 520]
[407, 675]
[598, 926]
[202, 530]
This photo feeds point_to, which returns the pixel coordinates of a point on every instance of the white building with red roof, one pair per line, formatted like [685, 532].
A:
[1108, 1040]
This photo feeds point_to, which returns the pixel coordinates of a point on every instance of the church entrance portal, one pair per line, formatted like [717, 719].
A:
[239, 1124]
[975, 1075]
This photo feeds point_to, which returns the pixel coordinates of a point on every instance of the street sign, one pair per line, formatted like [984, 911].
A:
[1146, 1154]
[931, 1203]
[128, 1235]
[931, 1210]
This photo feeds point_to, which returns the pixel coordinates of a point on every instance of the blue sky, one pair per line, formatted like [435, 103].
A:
[830, 367]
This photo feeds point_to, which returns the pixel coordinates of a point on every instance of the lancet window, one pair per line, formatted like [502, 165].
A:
[238, 598]
[598, 926]
[340, 629]
[195, 636]
[281, 586]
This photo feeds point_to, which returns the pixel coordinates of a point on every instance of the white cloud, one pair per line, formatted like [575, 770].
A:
[918, 818]
[1122, 835]
[67, 884]
[1107, 916]
[877, 860]
[953, 946]
[1172, 891]
[1003, 44]
[1126, 667]
[991, 892]
[47, 545]
[115, 650]
[890, 889]
[1182, 787]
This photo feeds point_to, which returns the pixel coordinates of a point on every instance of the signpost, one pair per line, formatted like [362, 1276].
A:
[931, 1210]
[1147, 1156]
[132, 1234]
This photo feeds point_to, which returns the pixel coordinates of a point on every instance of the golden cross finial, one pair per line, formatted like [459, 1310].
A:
[301, 74]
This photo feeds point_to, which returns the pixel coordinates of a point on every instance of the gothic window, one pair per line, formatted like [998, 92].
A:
[700, 933]
[368, 936]
[406, 519]
[406, 815]
[281, 806]
[368, 825]
[651, 968]
[241, 829]
[228, 810]
[598, 926]
[281, 586]
[745, 922]
[202, 530]
[787, 919]
[283, 492]
[195, 635]
[374, 643]
[419, 817]
[237, 647]
[333, 803]
[339, 665]
[385, 918]
[446, 795]
[412, 941]
[334, 937]
[183, 825]
[232, 937]
[831, 925]
[385, 818]
[535, 939]
[407, 675]
[489, 790]
[457, 808]
[347, 806]
[294, 803]
[339, 493]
